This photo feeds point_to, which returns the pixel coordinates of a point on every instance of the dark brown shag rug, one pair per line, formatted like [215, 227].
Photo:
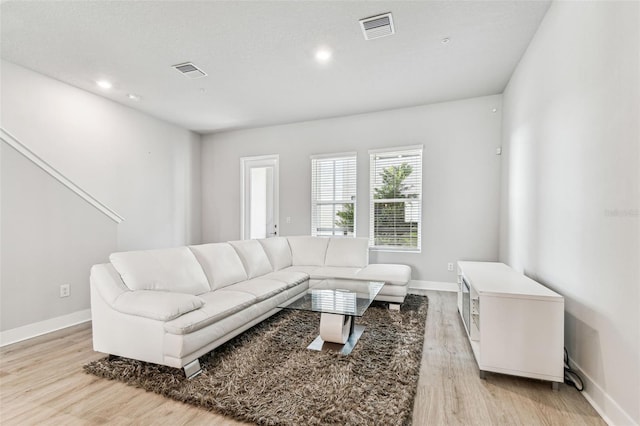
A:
[267, 376]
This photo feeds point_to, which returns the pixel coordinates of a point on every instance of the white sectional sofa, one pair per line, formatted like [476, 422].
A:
[172, 306]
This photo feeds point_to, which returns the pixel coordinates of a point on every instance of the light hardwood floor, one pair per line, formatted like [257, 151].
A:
[42, 382]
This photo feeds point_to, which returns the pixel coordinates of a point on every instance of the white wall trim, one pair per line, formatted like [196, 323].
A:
[337, 155]
[29, 331]
[14, 143]
[397, 148]
[420, 286]
[601, 401]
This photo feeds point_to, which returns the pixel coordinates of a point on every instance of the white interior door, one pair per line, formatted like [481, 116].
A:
[259, 197]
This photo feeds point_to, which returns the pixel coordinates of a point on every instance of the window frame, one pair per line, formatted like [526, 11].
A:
[392, 151]
[354, 198]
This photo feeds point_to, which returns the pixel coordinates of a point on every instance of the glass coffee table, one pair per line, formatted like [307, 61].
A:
[339, 301]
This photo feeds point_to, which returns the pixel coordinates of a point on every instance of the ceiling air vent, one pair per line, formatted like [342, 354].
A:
[189, 70]
[377, 26]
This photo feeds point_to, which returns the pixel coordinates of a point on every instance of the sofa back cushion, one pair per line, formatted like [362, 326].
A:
[278, 252]
[220, 263]
[174, 270]
[351, 252]
[308, 251]
[253, 257]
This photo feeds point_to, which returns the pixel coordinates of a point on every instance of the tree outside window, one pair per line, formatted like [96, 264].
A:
[396, 200]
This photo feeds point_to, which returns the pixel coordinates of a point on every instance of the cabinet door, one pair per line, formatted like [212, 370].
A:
[522, 336]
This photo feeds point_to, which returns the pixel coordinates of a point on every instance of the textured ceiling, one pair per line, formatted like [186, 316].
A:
[259, 56]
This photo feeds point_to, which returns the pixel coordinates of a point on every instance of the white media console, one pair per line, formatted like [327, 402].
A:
[515, 325]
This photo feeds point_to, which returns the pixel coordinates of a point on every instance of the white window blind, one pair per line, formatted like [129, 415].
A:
[333, 195]
[396, 199]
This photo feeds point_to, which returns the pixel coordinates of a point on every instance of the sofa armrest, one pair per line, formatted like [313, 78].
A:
[158, 305]
[153, 304]
[106, 280]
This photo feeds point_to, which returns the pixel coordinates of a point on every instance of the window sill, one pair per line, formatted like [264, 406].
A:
[395, 250]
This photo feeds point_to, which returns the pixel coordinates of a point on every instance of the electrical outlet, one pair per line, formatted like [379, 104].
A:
[65, 290]
[288, 219]
[450, 267]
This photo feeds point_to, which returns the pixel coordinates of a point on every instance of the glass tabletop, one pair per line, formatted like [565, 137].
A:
[336, 296]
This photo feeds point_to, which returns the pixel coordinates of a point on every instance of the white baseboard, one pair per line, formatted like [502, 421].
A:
[419, 286]
[28, 331]
[601, 401]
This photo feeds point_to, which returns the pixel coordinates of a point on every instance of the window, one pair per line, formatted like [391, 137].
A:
[333, 195]
[396, 198]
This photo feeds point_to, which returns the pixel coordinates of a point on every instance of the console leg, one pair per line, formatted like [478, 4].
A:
[394, 306]
[483, 374]
[555, 386]
[192, 369]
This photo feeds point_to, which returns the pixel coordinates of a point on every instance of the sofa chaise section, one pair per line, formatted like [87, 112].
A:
[347, 258]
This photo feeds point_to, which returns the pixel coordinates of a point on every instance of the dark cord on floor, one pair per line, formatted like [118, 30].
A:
[571, 378]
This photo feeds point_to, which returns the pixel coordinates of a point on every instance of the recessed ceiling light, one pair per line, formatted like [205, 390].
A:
[133, 97]
[494, 109]
[323, 55]
[104, 84]
[445, 40]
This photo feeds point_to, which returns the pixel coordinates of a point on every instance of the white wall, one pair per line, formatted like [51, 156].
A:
[570, 204]
[146, 170]
[50, 236]
[461, 176]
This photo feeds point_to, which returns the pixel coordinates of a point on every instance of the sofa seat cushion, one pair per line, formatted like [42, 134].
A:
[157, 305]
[389, 273]
[261, 288]
[325, 272]
[178, 346]
[289, 277]
[217, 306]
[253, 257]
[308, 251]
[175, 270]
[304, 269]
[220, 263]
[278, 252]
